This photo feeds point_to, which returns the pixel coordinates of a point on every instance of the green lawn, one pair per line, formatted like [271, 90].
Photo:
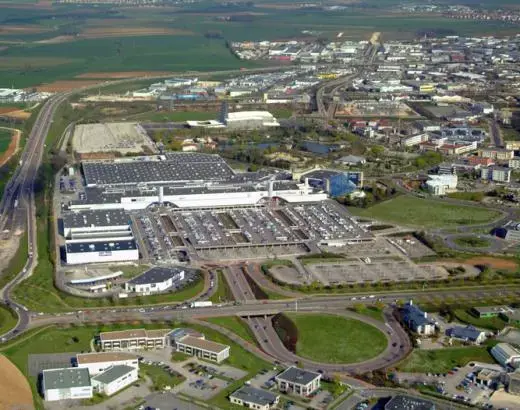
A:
[472, 242]
[223, 293]
[372, 311]
[160, 378]
[236, 325]
[8, 319]
[494, 323]
[443, 360]
[334, 339]
[5, 139]
[409, 210]
[16, 263]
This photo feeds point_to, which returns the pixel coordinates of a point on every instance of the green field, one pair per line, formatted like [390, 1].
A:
[443, 360]
[185, 45]
[472, 242]
[412, 211]
[5, 139]
[334, 339]
[8, 319]
[234, 324]
[223, 293]
[160, 378]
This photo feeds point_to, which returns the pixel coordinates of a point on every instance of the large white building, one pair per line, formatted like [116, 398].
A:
[114, 379]
[100, 361]
[441, 184]
[91, 224]
[102, 251]
[506, 355]
[134, 339]
[204, 349]
[298, 381]
[64, 384]
[155, 280]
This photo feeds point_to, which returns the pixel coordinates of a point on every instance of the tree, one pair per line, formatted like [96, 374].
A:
[359, 307]
[377, 150]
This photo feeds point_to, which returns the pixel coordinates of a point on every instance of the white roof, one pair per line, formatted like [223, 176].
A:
[244, 115]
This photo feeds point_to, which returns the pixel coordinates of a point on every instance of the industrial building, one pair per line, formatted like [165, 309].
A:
[253, 398]
[506, 355]
[65, 384]
[155, 280]
[89, 223]
[204, 349]
[134, 339]
[100, 361]
[298, 381]
[114, 379]
[78, 253]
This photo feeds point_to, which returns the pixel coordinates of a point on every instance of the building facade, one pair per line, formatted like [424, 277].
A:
[134, 339]
[204, 349]
[66, 384]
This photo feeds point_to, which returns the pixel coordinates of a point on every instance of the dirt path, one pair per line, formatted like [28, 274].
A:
[13, 147]
[15, 392]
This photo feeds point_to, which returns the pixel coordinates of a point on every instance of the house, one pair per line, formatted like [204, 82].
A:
[506, 355]
[115, 378]
[401, 402]
[467, 334]
[204, 349]
[98, 362]
[417, 320]
[253, 398]
[298, 381]
[65, 384]
[352, 160]
[134, 339]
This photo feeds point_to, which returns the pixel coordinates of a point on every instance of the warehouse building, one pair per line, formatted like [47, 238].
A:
[506, 355]
[114, 379]
[298, 381]
[99, 362]
[89, 223]
[155, 280]
[134, 339]
[253, 398]
[201, 348]
[65, 384]
[78, 253]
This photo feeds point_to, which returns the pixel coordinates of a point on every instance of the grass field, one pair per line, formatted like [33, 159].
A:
[236, 325]
[5, 139]
[8, 319]
[443, 360]
[347, 340]
[412, 211]
[472, 242]
[223, 293]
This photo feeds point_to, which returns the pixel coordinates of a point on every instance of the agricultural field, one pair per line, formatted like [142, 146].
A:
[443, 360]
[44, 42]
[15, 392]
[348, 340]
[417, 212]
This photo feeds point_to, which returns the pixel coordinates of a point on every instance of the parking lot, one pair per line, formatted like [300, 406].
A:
[40, 362]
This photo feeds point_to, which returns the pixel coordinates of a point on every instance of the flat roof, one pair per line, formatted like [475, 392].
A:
[133, 334]
[252, 395]
[493, 309]
[158, 168]
[113, 373]
[298, 376]
[401, 402]
[109, 246]
[87, 219]
[203, 344]
[66, 378]
[101, 357]
[156, 275]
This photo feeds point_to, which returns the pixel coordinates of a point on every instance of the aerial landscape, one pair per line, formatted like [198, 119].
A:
[212, 204]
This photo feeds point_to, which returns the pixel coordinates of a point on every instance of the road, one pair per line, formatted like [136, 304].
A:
[496, 136]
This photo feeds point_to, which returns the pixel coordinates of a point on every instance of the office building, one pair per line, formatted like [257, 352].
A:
[66, 384]
[114, 379]
[204, 349]
[253, 398]
[134, 339]
[298, 381]
[99, 362]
